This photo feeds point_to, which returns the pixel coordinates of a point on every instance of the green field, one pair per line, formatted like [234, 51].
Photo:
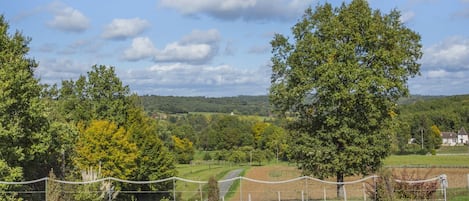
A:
[203, 170]
[427, 160]
[453, 150]
[200, 172]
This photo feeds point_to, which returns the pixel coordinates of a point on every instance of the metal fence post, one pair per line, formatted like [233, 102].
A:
[240, 189]
[444, 184]
[174, 189]
[45, 187]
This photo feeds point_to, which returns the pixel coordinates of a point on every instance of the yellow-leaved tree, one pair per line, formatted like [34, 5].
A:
[104, 146]
[183, 149]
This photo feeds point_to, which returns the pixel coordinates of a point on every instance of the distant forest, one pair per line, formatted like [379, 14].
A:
[241, 105]
[415, 115]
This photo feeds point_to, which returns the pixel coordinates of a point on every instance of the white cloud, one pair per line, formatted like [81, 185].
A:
[199, 36]
[445, 68]
[67, 18]
[440, 82]
[125, 28]
[141, 48]
[198, 47]
[198, 80]
[53, 71]
[236, 9]
[452, 53]
[191, 53]
[407, 16]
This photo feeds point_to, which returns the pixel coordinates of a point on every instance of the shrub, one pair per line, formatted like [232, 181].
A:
[389, 186]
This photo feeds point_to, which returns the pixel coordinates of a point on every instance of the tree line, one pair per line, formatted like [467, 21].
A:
[245, 105]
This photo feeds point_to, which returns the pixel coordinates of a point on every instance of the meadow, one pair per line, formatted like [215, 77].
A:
[450, 161]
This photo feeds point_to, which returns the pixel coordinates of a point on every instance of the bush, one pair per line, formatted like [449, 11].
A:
[386, 187]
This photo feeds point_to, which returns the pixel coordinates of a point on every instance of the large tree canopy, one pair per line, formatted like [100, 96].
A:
[340, 78]
[23, 141]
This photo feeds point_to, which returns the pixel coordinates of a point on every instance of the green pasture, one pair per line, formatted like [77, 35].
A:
[246, 117]
[427, 160]
[200, 172]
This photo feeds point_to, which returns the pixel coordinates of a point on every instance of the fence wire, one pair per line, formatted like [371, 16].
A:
[245, 189]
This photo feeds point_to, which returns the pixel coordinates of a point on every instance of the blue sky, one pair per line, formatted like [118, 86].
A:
[210, 47]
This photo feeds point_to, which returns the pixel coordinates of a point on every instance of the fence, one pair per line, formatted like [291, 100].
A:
[242, 188]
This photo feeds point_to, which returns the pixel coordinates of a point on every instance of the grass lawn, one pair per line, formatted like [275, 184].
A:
[199, 172]
[428, 160]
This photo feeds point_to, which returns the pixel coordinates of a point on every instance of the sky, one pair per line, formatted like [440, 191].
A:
[213, 48]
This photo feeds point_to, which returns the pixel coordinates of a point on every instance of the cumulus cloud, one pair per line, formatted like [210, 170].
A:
[67, 18]
[441, 73]
[198, 47]
[235, 9]
[55, 70]
[141, 48]
[445, 68]
[120, 29]
[440, 82]
[198, 80]
[451, 54]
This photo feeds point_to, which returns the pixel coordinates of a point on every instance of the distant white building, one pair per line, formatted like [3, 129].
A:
[452, 138]
[463, 136]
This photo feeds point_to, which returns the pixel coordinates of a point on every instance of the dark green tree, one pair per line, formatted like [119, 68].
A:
[340, 77]
[154, 160]
[23, 123]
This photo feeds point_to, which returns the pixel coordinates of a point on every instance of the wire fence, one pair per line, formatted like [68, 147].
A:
[242, 188]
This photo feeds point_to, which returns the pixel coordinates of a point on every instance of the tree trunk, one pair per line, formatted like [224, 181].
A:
[340, 185]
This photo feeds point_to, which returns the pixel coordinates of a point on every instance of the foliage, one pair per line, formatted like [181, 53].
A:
[227, 132]
[154, 160]
[340, 81]
[8, 174]
[274, 139]
[100, 95]
[245, 105]
[183, 149]
[54, 191]
[103, 145]
[23, 140]
[257, 129]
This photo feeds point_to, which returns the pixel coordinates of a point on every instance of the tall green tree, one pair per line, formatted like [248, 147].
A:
[154, 160]
[340, 77]
[23, 140]
[97, 96]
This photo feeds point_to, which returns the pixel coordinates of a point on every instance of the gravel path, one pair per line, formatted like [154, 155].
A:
[225, 186]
